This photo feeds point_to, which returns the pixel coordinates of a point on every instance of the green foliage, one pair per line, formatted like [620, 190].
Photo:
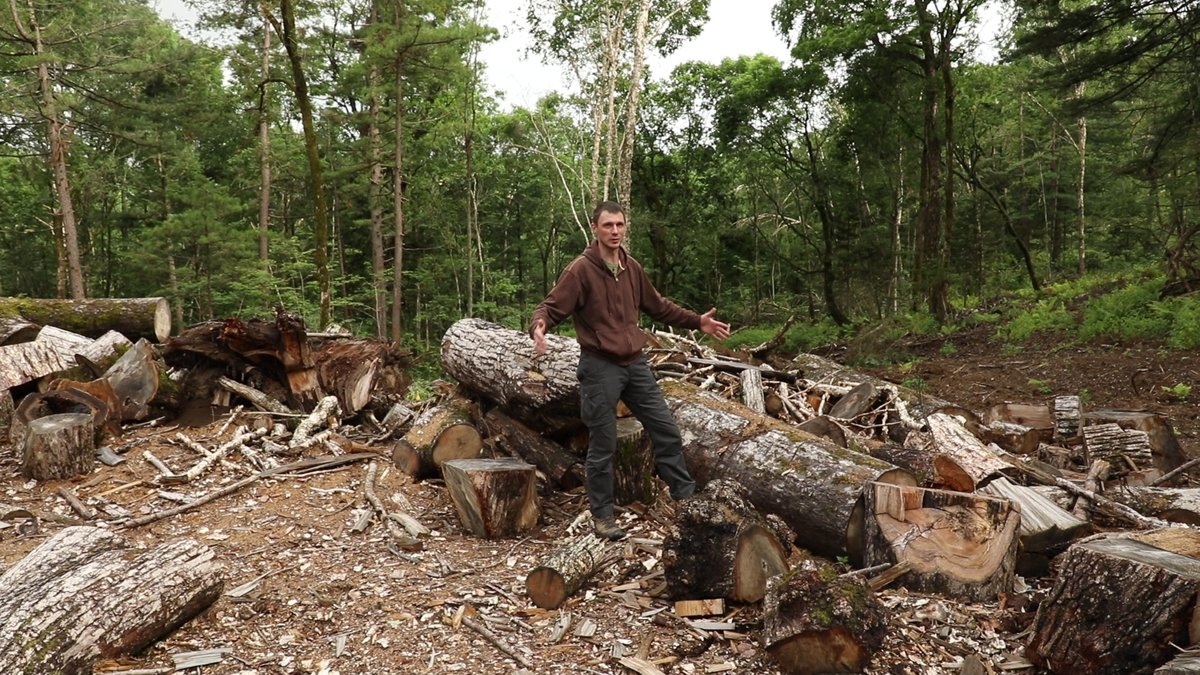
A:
[1185, 327]
[1040, 386]
[1047, 315]
[1133, 312]
[947, 349]
[1179, 392]
[916, 383]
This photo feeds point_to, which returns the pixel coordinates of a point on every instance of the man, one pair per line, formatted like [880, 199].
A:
[604, 289]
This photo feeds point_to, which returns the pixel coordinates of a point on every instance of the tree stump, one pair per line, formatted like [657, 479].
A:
[633, 465]
[817, 622]
[494, 497]
[84, 593]
[59, 446]
[721, 546]
[440, 434]
[566, 570]
[959, 545]
[561, 467]
[1118, 605]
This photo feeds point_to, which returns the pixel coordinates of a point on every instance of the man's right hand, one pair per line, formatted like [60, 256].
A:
[539, 338]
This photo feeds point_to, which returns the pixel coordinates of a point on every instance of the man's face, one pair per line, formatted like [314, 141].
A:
[610, 230]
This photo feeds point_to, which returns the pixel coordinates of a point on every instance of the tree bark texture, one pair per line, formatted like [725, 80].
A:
[721, 546]
[352, 369]
[494, 497]
[59, 446]
[134, 318]
[1164, 445]
[565, 571]
[27, 361]
[1117, 606]
[634, 478]
[81, 596]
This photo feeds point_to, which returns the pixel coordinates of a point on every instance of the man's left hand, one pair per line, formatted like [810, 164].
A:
[710, 326]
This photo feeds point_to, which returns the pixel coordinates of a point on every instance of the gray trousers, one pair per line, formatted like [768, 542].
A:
[601, 385]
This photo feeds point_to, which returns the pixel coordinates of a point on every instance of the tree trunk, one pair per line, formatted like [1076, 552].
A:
[494, 497]
[960, 545]
[398, 169]
[721, 546]
[107, 601]
[560, 466]
[565, 571]
[636, 75]
[1099, 619]
[375, 199]
[839, 637]
[440, 434]
[1165, 450]
[264, 145]
[132, 317]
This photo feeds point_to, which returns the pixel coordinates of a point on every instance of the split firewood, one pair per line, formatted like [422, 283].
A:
[396, 418]
[1046, 528]
[101, 594]
[721, 546]
[960, 461]
[839, 638]
[561, 467]
[752, 390]
[255, 397]
[825, 428]
[1068, 415]
[1098, 617]
[565, 571]
[494, 497]
[855, 402]
[960, 545]
[442, 433]
[59, 446]
[634, 477]
[327, 414]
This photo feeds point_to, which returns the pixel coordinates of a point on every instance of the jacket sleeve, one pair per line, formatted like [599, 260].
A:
[663, 310]
[561, 300]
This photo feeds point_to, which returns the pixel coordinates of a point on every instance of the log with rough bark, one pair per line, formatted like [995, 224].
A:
[542, 391]
[561, 467]
[442, 433]
[355, 369]
[85, 594]
[7, 409]
[815, 621]
[1046, 528]
[494, 497]
[751, 382]
[1118, 605]
[633, 465]
[811, 483]
[960, 461]
[14, 330]
[721, 546]
[565, 571]
[59, 446]
[132, 317]
[1068, 415]
[27, 361]
[1177, 505]
[959, 545]
[1108, 441]
[1164, 445]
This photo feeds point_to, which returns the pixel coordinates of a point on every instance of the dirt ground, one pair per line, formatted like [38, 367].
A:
[315, 597]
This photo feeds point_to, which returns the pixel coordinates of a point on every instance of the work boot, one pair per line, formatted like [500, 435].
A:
[607, 528]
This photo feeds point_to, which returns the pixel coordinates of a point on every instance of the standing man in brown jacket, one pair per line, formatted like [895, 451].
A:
[604, 289]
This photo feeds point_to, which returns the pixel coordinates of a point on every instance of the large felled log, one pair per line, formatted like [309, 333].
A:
[566, 570]
[815, 486]
[494, 497]
[960, 545]
[27, 361]
[542, 391]
[356, 369]
[132, 317]
[83, 594]
[1046, 528]
[817, 622]
[721, 546]
[59, 446]
[633, 465]
[442, 433]
[1118, 605]
[553, 460]
[960, 461]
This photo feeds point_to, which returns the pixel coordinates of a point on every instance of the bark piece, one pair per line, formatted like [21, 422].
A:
[132, 317]
[752, 389]
[494, 497]
[106, 602]
[560, 466]
[565, 571]
[1117, 606]
[959, 545]
[817, 622]
[442, 433]
[633, 465]
[59, 446]
[1108, 441]
[7, 410]
[721, 546]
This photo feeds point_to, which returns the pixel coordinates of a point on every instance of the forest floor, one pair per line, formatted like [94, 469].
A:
[315, 597]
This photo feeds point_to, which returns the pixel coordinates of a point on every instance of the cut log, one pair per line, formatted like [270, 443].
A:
[959, 460]
[83, 594]
[1068, 415]
[825, 428]
[354, 369]
[1108, 441]
[815, 486]
[815, 621]
[1015, 438]
[559, 466]
[857, 401]
[1036, 417]
[633, 465]
[1164, 445]
[442, 433]
[59, 446]
[959, 545]
[542, 391]
[721, 546]
[27, 361]
[1046, 528]
[1117, 606]
[752, 390]
[565, 571]
[132, 317]
[494, 497]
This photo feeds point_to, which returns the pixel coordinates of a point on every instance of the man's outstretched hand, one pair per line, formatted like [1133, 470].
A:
[539, 338]
[709, 325]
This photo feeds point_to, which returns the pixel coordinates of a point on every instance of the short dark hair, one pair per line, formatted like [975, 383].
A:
[606, 207]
